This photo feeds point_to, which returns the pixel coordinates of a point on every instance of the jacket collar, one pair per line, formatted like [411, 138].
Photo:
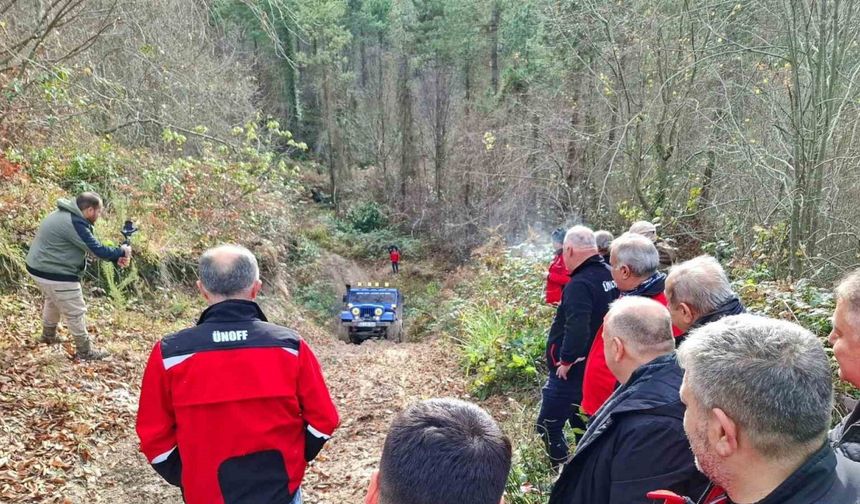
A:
[593, 260]
[731, 307]
[232, 310]
[653, 385]
[809, 483]
[655, 284]
[848, 435]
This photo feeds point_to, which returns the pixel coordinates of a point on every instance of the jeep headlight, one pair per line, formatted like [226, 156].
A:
[356, 312]
[378, 312]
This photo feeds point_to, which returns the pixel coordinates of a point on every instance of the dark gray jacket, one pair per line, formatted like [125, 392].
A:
[59, 251]
[845, 438]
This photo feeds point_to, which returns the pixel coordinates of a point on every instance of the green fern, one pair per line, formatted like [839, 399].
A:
[118, 283]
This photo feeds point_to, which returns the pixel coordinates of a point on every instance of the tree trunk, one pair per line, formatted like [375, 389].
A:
[494, 47]
[407, 141]
[334, 139]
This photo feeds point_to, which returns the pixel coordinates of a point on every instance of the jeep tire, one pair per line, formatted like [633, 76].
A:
[395, 332]
[343, 333]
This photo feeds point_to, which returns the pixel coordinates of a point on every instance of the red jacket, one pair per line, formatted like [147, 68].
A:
[233, 409]
[556, 280]
[395, 256]
[599, 382]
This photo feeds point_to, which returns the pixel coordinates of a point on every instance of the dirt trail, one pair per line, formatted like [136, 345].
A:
[370, 383]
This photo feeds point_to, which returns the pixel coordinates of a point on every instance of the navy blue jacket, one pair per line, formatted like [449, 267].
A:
[634, 444]
[584, 302]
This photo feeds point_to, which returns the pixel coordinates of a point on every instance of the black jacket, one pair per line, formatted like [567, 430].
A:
[584, 302]
[731, 307]
[823, 479]
[845, 438]
[635, 444]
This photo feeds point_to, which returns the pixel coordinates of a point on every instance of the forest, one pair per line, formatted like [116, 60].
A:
[731, 123]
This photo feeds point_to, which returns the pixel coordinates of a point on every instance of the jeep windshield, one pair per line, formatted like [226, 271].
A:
[372, 298]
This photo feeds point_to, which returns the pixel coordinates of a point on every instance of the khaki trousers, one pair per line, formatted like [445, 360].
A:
[65, 299]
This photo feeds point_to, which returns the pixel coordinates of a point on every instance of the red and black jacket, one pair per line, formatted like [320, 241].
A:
[232, 410]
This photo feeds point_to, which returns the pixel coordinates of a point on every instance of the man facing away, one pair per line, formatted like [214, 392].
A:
[636, 441]
[759, 396]
[56, 261]
[634, 262]
[233, 409]
[698, 293]
[442, 451]
[845, 338]
[584, 303]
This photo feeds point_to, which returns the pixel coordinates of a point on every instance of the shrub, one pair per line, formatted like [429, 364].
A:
[502, 325]
[366, 217]
[320, 299]
[502, 349]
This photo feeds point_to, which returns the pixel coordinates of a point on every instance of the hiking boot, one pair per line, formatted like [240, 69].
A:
[92, 354]
[49, 335]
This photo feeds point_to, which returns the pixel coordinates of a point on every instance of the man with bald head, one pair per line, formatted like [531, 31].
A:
[584, 302]
[233, 409]
[636, 442]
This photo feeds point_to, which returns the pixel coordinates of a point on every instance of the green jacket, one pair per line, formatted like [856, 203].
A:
[59, 251]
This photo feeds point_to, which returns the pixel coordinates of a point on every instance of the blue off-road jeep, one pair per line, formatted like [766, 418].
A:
[371, 312]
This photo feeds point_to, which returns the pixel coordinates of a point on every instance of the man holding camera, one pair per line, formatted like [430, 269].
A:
[57, 260]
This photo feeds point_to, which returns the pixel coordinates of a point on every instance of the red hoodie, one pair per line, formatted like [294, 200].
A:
[395, 256]
[556, 280]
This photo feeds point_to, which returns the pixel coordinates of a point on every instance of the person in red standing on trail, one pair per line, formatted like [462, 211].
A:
[558, 275]
[394, 255]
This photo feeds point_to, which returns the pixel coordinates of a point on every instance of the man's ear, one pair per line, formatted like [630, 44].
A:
[202, 290]
[616, 346]
[256, 288]
[723, 433]
[373, 489]
[689, 313]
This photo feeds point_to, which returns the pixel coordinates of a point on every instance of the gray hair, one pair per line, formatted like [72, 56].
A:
[644, 228]
[580, 237]
[228, 270]
[848, 290]
[770, 376]
[637, 253]
[642, 323]
[701, 283]
[603, 238]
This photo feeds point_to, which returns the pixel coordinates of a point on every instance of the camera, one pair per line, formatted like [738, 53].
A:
[128, 229]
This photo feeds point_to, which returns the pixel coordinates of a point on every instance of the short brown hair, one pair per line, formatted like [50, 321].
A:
[87, 200]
